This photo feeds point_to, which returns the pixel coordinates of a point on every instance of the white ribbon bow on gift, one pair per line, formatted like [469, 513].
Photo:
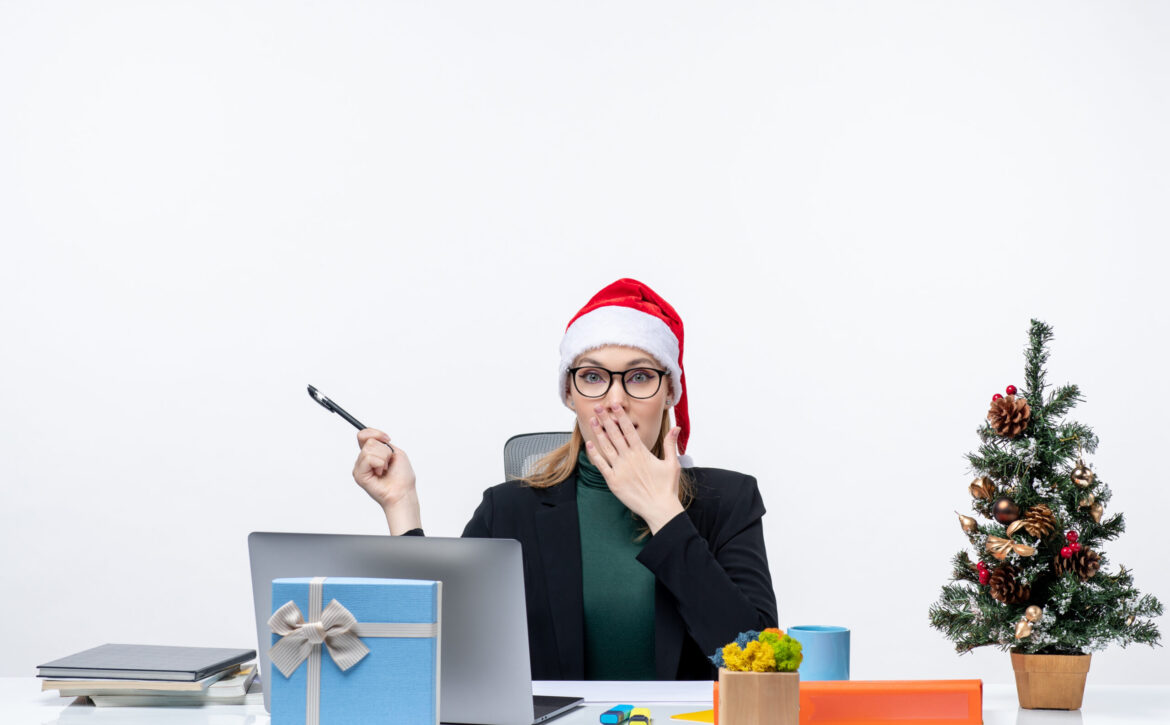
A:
[298, 637]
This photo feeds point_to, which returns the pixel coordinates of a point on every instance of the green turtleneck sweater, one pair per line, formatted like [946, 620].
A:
[618, 590]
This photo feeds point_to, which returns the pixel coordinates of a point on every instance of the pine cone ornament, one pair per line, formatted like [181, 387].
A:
[1009, 416]
[1006, 588]
[1086, 563]
[1039, 521]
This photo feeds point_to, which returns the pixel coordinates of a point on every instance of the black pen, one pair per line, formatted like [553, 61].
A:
[332, 407]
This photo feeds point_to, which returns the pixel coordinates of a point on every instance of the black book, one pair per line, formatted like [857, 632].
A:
[146, 662]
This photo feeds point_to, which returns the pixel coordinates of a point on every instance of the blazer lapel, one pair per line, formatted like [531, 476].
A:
[559, 535]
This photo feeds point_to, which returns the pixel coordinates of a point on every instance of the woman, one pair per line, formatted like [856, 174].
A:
[635, 567]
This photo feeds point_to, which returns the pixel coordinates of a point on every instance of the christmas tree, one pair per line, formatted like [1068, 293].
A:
[1040, 582]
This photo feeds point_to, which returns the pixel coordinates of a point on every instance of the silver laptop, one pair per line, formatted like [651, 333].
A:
[485, 674]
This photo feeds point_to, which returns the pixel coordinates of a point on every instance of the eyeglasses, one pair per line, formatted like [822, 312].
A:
[595, 382]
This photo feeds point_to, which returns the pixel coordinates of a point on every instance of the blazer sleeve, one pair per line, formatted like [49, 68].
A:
[722, 586]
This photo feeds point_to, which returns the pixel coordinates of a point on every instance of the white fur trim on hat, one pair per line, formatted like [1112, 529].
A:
[617, 325]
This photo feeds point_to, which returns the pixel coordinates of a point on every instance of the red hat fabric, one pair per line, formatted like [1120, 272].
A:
[629, 313]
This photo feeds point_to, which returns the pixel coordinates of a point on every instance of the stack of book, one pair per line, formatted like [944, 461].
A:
[132, 674]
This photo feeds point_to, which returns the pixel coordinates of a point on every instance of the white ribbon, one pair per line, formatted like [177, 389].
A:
[298, 637]
[338, 630]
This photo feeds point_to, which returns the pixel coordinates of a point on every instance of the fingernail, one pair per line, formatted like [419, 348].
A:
[594, 422]
[597, 408]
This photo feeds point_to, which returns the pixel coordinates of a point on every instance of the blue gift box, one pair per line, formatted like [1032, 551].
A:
[396, 681]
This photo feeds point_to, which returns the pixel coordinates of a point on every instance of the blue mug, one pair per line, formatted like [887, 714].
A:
[826, 651]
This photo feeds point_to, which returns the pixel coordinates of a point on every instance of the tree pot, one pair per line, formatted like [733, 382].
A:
[758, 698]
[1050, 682]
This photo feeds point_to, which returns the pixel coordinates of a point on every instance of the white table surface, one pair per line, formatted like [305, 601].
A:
[22, 702]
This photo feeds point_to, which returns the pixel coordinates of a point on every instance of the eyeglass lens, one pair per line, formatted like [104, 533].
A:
[595, 382]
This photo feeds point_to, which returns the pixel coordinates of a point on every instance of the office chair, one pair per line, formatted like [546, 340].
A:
[521, 452]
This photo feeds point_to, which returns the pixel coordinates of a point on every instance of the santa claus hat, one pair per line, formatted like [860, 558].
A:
[629, 313]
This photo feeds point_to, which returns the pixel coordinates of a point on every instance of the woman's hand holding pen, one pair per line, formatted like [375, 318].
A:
[646, 484]
[386, 475]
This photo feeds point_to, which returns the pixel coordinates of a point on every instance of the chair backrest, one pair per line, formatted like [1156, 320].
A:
[521, 452]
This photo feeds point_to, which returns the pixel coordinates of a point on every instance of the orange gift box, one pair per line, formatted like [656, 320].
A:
[923, 702]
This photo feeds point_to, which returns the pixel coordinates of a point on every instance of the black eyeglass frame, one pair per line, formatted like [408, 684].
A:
[620, 375]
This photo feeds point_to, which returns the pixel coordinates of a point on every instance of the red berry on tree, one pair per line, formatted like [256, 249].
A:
[984, 576]
[1066, 552]
[1011, 390]
[1072, 537]
[1075, 547]
[997, 396]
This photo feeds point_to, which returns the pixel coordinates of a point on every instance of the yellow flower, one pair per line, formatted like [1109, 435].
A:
[733, 657]
[756, 657]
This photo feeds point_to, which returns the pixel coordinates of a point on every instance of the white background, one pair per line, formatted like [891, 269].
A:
[856, 208]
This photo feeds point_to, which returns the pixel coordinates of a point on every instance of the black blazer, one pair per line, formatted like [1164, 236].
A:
[710, 563]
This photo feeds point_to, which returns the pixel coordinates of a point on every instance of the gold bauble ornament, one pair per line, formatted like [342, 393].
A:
[1097, 511]
[1023, 629]
[1005, 511]
[1082, 475]
[969, 525]
[982, 487]
[1087, 501]
[1033, 613]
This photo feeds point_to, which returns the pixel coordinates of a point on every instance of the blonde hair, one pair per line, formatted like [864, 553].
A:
[560, 463]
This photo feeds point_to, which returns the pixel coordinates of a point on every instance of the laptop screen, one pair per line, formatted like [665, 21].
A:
[485, 668]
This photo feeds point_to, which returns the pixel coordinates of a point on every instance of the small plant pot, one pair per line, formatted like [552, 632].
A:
[758, 698]
[1050, 682]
